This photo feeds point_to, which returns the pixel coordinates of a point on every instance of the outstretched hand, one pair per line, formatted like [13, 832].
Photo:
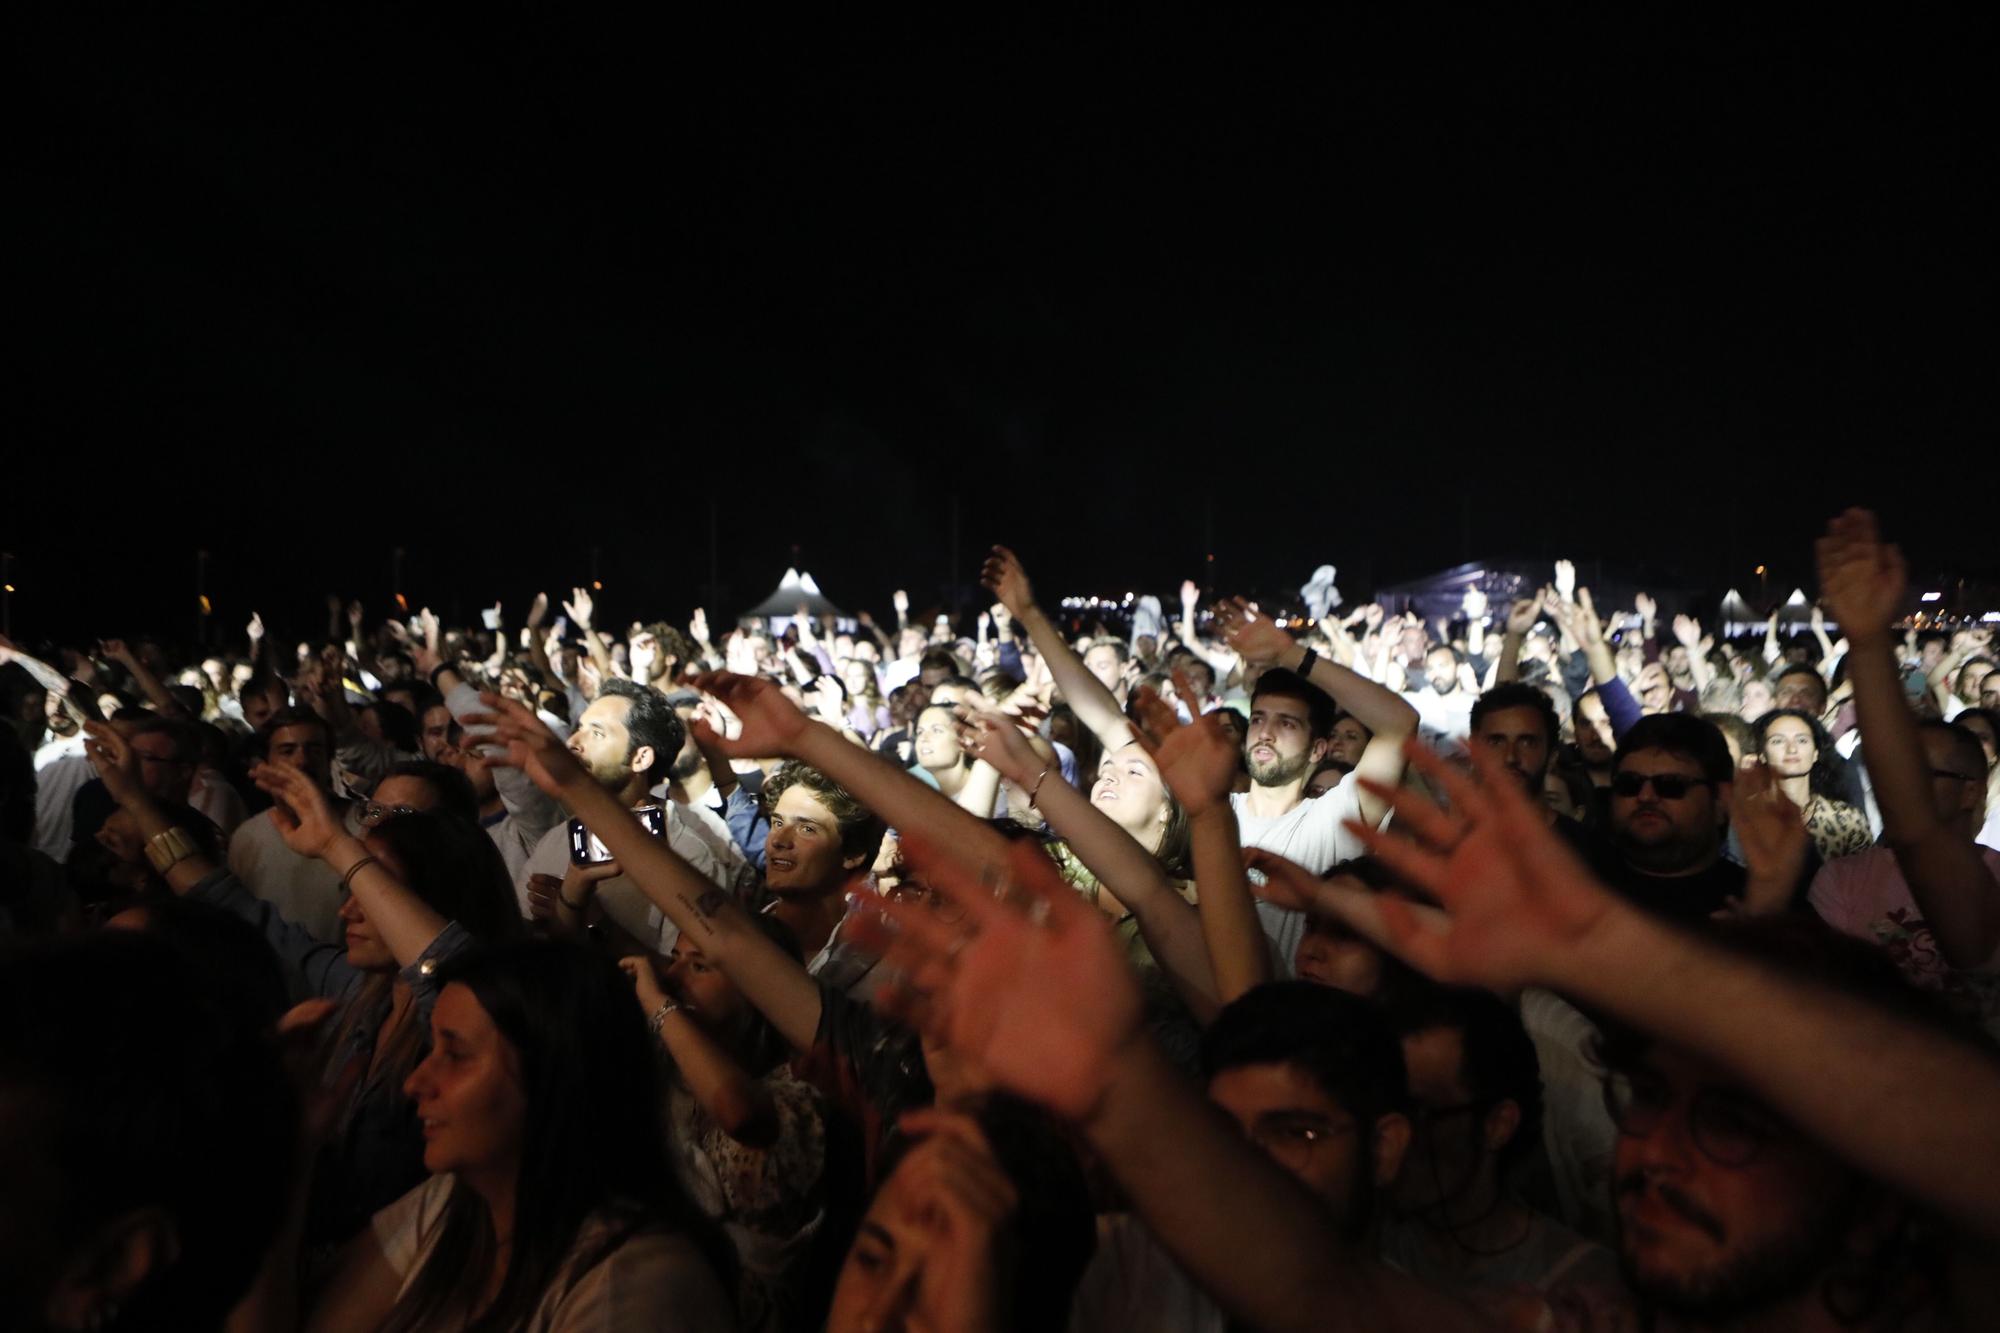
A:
[1517, 904]
[1772, 831]
[530, 745]
[771, 724]
[303, 815]
[1030, 984]
[116, 762]
[1861, 577]
[998, 739]
[1252, 634]
[578, 608]
[1004, 577]
[1198, 760]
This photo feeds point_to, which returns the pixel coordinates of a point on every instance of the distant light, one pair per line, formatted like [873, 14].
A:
[1760, 569]
[206, 609]
[1991, 617]
[1933, 596]
[596, 586]
[10, 587]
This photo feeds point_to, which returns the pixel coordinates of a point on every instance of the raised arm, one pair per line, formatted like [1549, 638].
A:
[1126, 870]
[767, 976]
[1095, 707]
[142, 676]
[1384, 712]
[1521, 617]
[1862, 580]
[579, 608]
[1032, 989]
[1904, 1103]
[740, 1104]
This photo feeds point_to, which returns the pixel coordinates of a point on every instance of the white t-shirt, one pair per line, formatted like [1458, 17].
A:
[1312, 833]
[1444, 720]
[621, 899]
[650, 1280]
[61, 770]
[304, 889]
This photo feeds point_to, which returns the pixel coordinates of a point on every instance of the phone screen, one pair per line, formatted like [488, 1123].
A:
[585, 849]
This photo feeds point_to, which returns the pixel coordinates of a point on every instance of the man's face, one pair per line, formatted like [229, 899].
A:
[434, 735]
[1349, 740]
[1102, 662]
[1410, 642]
[162, 771]
[1989, 690]
[1280, 746]
[1958, 780]
[303, 747]
[1802, 690]
[689, 761]
[259, 705]
[1593, 731]
[604, 744]
[1661, 834]
[1519, 739]
[1655, 690]
[1329, 954]
[803, 853]
[1282, 1110]
[1972, 679]
[1441, 669]
[1450, 1150]
[1706, 1240]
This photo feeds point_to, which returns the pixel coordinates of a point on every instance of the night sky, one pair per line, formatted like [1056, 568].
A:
[522, 299]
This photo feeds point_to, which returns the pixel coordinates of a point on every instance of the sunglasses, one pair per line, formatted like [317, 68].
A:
[1670, 786]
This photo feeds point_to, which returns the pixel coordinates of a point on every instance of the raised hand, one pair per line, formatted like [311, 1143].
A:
[1342, 897]
[354, 618]
[1475, 604]
[1522, 615]
[1371, 615]
[698, 627]
[1517, 903]
[537, 610]
[1198, 760]
[1687, 632]
[117, 651]
[1251, 633]
[1566, 580]
[255, 629]
[1772, 832]
[116, 762]
[1588, 622]
[772, 724]
[304, 817]
[1861, 577]
[958, 1194]
[998, 740]
[1190, 595]
[1647, 608]
[901, 601]
[1004, 577]
[530, 745]
[1818, 619]
[578, 607]
[646, 986]
[1032, 985]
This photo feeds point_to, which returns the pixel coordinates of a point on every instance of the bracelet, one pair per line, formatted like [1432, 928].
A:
[1306, 662]
[1036, 790]
[347, 880]
[169, 848]
[660, 1014]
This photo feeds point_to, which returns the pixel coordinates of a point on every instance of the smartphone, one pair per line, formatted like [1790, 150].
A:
[586, 850]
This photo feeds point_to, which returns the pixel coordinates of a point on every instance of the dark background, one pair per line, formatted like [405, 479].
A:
[544, 300]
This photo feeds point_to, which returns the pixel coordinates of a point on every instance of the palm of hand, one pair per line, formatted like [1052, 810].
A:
[1258, 640]
[1198, 764]
[1043, 1010]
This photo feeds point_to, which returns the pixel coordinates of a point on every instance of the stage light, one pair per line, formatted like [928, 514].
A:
[1933, 596]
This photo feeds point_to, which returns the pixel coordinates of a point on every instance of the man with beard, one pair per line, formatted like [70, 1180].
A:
[1291, 725]
[1519, 724]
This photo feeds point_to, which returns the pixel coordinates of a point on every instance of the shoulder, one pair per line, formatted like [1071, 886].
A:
[406, 1227]
[643, 1275]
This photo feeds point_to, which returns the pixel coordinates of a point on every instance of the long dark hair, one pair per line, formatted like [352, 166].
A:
[1821, 778]
[591, 1144]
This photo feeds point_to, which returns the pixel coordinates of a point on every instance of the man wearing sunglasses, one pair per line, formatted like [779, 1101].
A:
[1669, 811]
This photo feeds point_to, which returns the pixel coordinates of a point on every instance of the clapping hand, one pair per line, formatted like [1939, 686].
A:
[303, 816]
[1252, 634]
[1861, 577]
[1004, 577]
[1198, 761]
[578, 607]
[771, 724]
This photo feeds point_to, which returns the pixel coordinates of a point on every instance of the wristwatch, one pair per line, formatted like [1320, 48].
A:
[167, 850]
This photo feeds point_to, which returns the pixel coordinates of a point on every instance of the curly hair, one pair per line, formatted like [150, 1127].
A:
[861, 829]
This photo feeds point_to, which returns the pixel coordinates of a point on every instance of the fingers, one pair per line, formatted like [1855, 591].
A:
[305, 1016]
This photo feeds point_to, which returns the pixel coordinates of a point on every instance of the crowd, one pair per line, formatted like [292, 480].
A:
[1240, 971]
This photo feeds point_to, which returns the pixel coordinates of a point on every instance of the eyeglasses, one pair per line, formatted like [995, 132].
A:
[1291, 1138]
[1730, 1130]
[374, 813]
[1670, 786]
[1955, 777]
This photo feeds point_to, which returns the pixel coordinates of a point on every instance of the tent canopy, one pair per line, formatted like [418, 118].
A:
[793, 591]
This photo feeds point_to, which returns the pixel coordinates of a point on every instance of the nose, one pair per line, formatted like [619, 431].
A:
[350, 910]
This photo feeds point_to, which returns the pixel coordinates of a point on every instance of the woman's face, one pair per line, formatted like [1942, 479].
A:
[857, 676]
[1350, 738]
[1757, 700]
[1129, 790]
[699, 986]
[365, 950]
[937, 740]
[468, 1091]
[1789, 747]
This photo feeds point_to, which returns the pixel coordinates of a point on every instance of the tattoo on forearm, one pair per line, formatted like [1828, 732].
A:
[705, 907]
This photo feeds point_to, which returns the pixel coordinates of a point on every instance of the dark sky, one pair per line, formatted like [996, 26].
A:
[301, 293]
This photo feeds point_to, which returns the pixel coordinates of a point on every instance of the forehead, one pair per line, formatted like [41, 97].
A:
[1281, 705]
[1250, 1091]
[1435, 1058]
[799, 802]
[608, 711]
[303, 733]
[1788, 726]
[1518, 720]
[402, 789]
[1659, 761]
[459, 1010]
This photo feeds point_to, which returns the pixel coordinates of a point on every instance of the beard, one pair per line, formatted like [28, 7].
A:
[1780, 1268]
[686, 766]
[1278, 772]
